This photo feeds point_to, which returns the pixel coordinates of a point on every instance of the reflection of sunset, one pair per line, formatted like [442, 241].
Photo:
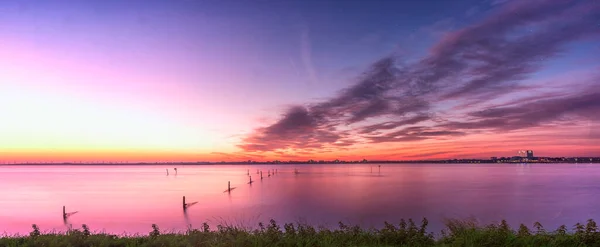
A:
[140, 82]
[131, 198]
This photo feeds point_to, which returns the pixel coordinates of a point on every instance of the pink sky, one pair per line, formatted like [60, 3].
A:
[162, 82]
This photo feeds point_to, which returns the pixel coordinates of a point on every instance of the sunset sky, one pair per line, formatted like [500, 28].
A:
[211, 80]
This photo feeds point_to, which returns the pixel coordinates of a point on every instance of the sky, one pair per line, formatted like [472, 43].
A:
[208, 80]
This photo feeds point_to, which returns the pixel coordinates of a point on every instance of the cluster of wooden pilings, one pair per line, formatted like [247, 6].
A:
[186, 205]
[270, 172]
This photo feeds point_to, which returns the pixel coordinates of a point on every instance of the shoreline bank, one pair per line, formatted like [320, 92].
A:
[405, 233]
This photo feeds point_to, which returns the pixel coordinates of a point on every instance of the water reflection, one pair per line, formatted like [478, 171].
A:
[186, 217]
[132, 198]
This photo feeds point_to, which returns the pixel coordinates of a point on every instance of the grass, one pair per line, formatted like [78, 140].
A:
[456, 233]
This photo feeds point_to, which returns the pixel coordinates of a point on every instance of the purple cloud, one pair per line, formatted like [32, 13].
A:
[584, 105]
[555, 108]
[393, 125]
[475, 64]
[297, 129]
[415, 133]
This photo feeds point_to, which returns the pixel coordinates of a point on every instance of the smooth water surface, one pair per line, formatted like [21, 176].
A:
[130, 199]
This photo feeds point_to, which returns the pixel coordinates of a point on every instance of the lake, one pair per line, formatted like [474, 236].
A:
[121, 198]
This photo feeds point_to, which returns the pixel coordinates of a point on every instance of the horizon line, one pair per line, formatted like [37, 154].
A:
[311, 161]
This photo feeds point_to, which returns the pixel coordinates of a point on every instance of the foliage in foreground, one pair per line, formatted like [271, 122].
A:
[456, 233]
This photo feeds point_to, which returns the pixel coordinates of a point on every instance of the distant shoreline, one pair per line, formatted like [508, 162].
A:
[474, 161]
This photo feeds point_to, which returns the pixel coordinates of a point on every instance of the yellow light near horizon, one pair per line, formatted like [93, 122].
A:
[40, 121]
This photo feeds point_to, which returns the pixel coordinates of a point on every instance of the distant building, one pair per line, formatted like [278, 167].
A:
[530, 154]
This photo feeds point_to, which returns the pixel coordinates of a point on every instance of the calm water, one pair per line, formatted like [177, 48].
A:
[129, 199]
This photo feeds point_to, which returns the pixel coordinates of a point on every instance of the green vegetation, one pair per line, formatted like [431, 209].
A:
[456, 233]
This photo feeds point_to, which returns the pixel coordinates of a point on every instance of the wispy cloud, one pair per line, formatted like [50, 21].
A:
[475, 64]
[393, 125]
[298, 129]
[442, 27]
[472, 11]
[498, 2]
[237, 156]
[293, 64]
[306, 55]
[584, 105]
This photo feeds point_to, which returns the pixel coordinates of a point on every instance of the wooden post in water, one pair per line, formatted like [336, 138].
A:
[256, 171]
[67, 215]
[261, 175]
[269, 173]
[175, 170]
[167, 172]
[187, 205]
[248, 173]
[229, 186]
[379, 168]
[250, 180]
